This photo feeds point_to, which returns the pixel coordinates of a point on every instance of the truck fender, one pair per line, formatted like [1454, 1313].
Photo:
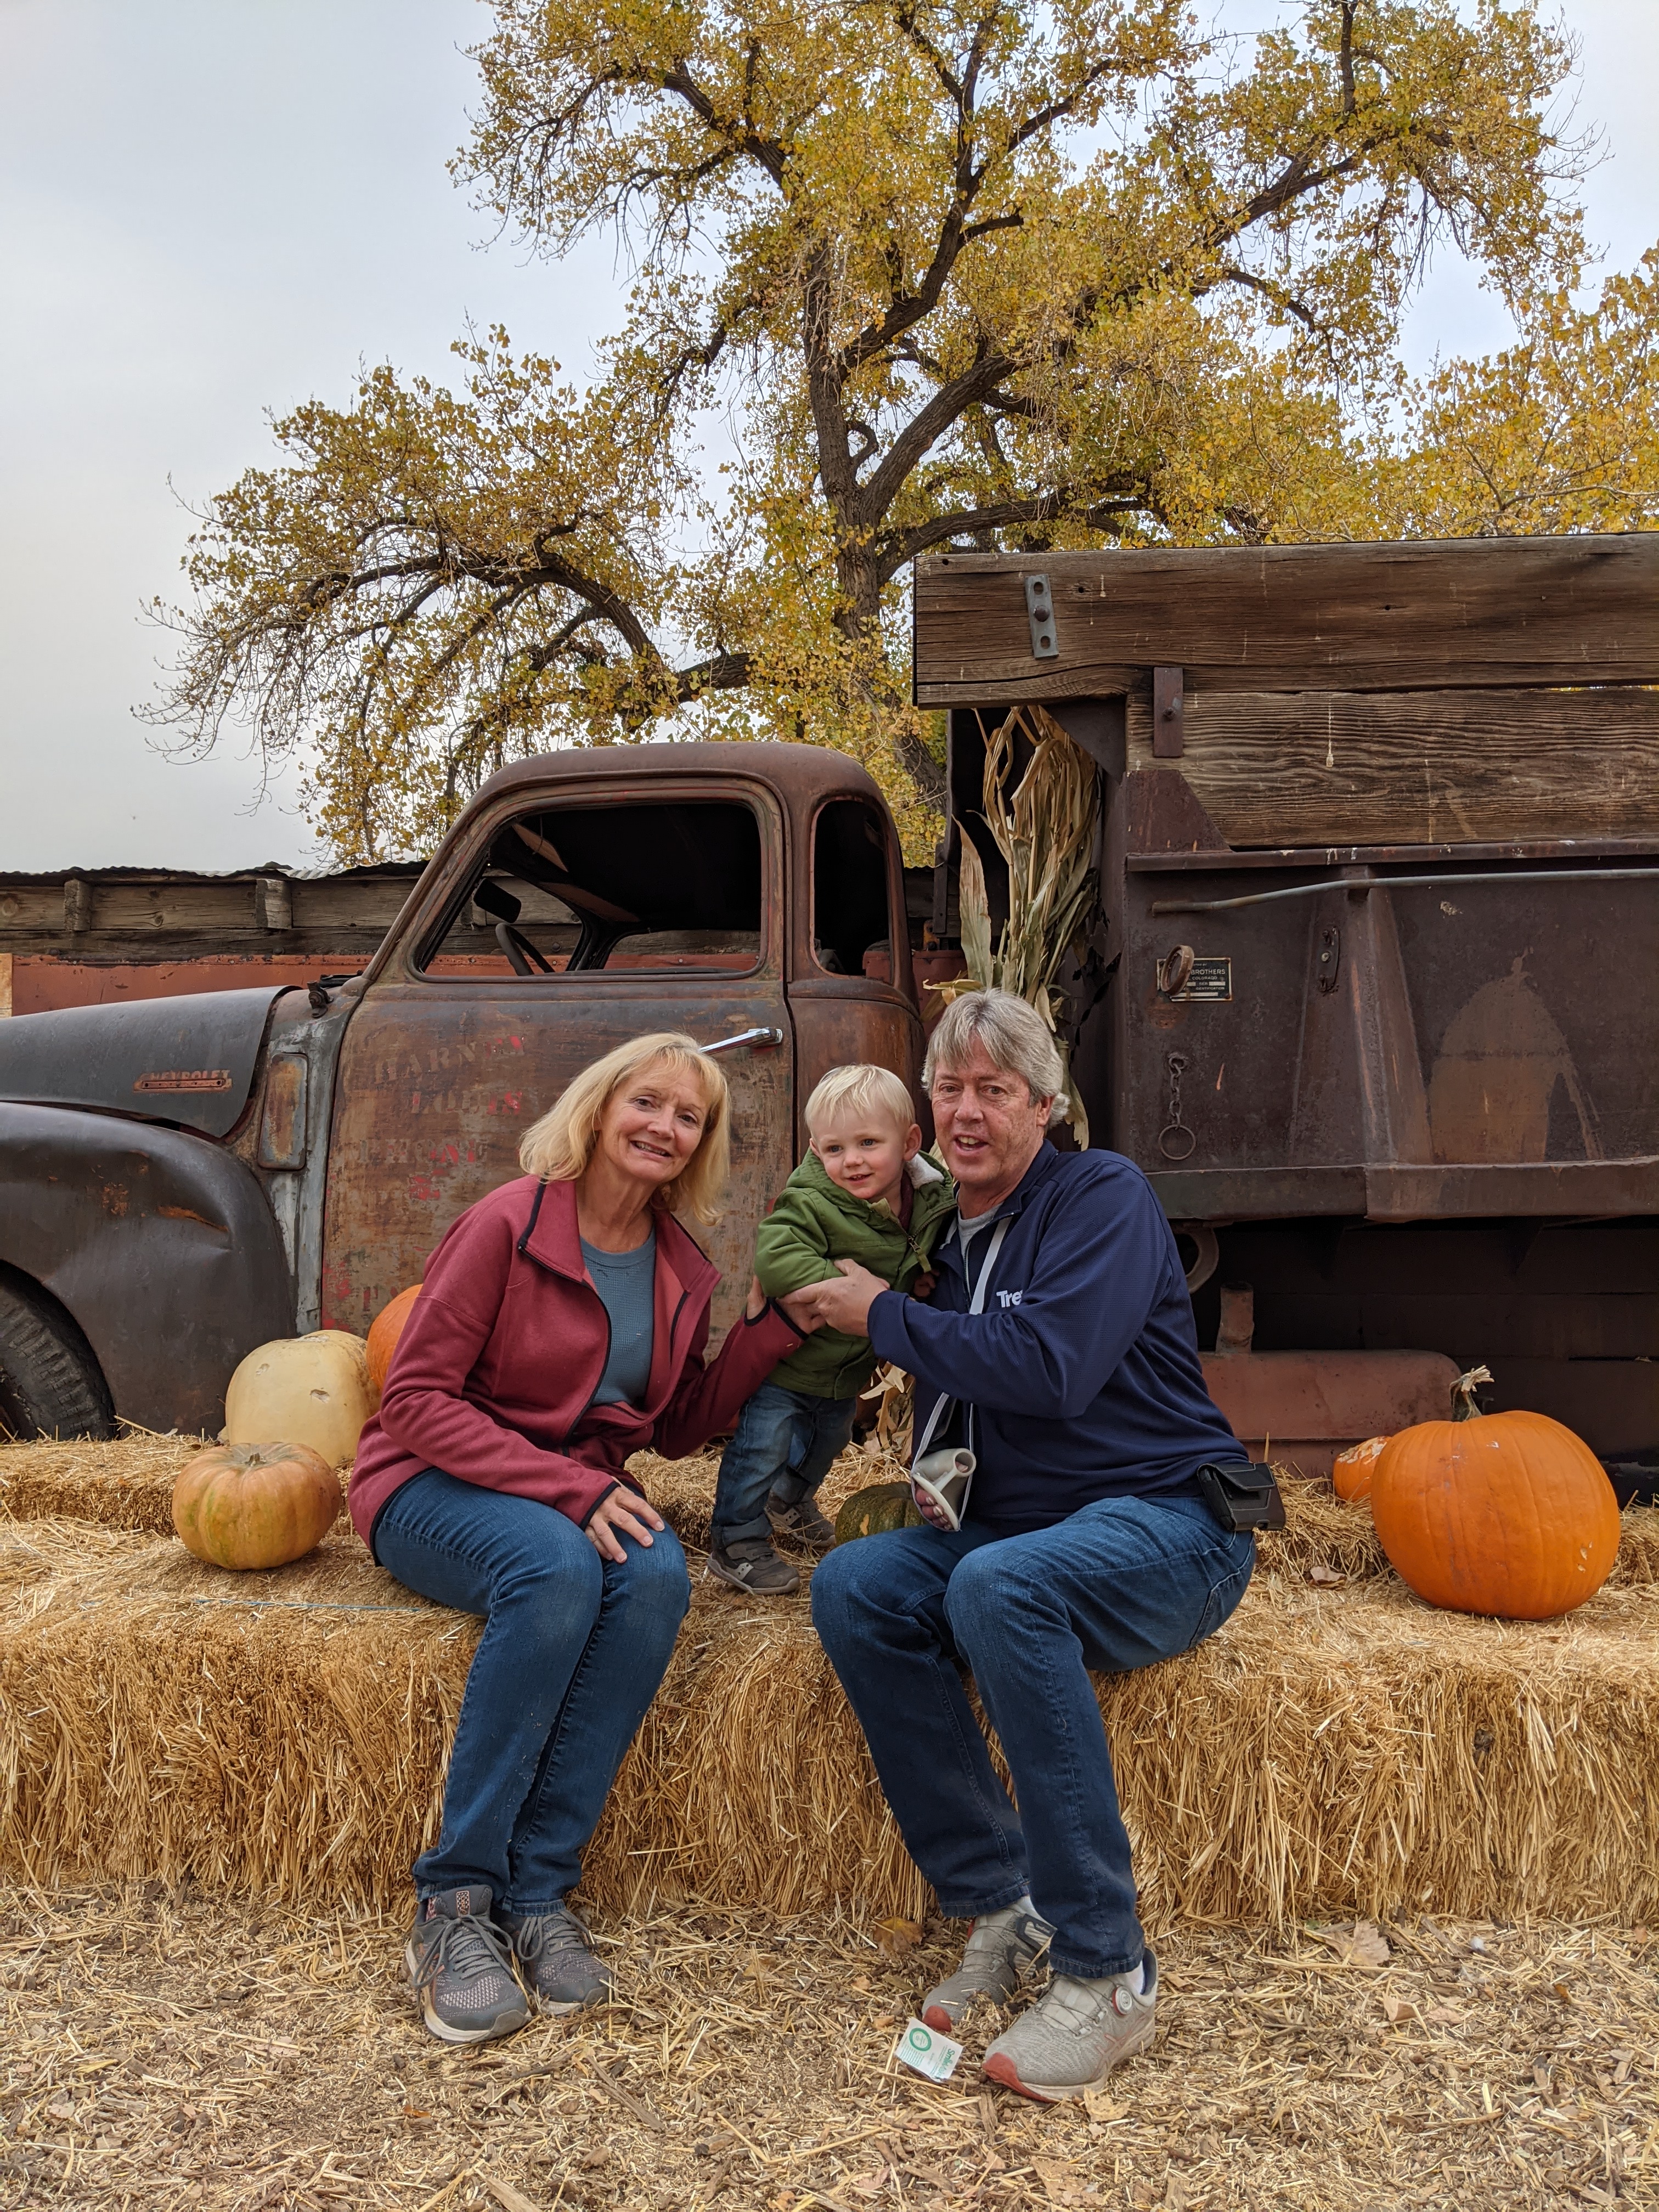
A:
[159, 1244]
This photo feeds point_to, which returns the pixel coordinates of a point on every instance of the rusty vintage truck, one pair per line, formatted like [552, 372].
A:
[181, 1179]
[1373, 996]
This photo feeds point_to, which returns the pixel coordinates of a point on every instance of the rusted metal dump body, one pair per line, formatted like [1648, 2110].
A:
[183, 1178]
[1380, 874]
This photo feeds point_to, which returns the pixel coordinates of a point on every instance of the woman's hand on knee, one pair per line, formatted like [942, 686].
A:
[623, 1513]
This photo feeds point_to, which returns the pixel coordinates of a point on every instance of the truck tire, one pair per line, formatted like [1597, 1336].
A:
[50, 1383]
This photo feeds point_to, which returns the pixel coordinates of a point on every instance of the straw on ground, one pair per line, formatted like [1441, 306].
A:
[174, 2051]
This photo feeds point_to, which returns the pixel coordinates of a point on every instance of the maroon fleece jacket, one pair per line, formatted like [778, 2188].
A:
[494, 1376]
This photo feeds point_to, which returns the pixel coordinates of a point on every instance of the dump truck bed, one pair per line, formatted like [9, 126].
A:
[1380, 889]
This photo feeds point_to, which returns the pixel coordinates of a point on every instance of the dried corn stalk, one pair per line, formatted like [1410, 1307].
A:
[1045, 830]
[888, 1442]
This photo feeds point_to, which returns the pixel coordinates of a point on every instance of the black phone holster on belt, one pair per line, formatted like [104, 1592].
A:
[1242, 1497]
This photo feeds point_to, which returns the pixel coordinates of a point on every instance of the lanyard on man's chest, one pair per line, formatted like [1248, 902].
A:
[975, 1305]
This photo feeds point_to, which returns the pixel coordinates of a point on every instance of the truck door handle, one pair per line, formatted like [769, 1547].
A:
[757, 1040]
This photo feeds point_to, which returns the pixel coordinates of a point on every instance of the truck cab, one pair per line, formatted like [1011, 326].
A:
[182, 1179]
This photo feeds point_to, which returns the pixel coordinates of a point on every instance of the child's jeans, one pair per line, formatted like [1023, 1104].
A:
[785, 1444]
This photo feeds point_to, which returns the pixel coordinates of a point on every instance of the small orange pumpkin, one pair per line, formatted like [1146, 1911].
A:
[388, 1327]
[1507, 1514]
[255, 1505]
[1351, 1471]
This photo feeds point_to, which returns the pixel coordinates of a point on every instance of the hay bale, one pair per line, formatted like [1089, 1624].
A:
[683, 1491]
[126, 1484]
[1331, 1751]
[129, 1484]
[1322, 1531]
[263, 1732]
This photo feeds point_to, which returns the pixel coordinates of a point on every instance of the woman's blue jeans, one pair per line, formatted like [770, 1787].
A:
[573, 1651]
[1122, 1583]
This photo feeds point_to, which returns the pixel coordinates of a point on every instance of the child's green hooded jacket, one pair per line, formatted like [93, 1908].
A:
[815, 1223]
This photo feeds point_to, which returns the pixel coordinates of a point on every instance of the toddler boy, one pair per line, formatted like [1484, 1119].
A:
[864, 1193]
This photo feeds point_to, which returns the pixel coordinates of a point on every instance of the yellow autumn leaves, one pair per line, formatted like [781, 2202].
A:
[920, 272]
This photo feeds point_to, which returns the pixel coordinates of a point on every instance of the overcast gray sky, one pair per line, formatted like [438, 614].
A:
[213, 207]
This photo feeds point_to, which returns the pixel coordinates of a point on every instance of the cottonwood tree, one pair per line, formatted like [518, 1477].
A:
[981, 272]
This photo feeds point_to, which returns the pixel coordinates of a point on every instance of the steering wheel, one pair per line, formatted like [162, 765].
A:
[519, 951]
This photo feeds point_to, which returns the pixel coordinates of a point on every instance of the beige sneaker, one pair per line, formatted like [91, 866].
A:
[1002, 1952]
[1073, 2036]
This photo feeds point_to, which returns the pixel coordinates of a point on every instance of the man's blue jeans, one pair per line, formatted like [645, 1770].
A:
[785, 1443]
[1122, 1583]
[573, 1651]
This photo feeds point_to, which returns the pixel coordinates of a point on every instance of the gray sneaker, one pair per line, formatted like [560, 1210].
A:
[564, 1975]
[1001, 1951]
[459, 1962]
[1074, 2035]
[802, 1523]
[752, 1564]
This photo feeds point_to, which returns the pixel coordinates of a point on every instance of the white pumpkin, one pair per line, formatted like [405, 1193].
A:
[311, 1390]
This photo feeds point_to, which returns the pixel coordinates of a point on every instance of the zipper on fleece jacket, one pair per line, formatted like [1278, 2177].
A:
[525, 1253]
[585, 1284]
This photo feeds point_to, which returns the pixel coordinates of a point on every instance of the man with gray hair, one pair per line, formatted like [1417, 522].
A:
[1058, 1348]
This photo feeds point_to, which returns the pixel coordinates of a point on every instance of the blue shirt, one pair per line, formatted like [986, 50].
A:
[1082, 1376]
[626, 1284]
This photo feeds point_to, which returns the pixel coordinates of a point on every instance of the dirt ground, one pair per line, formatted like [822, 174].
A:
[176, 2050]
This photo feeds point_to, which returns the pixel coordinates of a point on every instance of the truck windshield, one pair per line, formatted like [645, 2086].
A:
[568, 890]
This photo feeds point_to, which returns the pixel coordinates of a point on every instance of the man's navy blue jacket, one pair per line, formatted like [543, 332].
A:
[1082, 1372]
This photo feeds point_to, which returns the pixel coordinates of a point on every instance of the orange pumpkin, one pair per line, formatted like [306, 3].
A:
[388, 1327]
[1507, 1514]
[1351, 1471]
[255, 1505]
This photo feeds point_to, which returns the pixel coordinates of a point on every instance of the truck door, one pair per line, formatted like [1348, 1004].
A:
[580, 914]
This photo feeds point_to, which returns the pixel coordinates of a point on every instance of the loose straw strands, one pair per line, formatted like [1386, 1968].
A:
[1338, 1751]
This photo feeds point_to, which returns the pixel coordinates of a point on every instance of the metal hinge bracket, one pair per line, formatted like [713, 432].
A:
[1040, 606]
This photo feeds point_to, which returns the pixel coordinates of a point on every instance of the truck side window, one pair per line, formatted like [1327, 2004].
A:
[849, 891]
[568, 890]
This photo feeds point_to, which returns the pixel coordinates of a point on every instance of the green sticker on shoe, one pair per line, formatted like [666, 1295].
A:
[926, 2052]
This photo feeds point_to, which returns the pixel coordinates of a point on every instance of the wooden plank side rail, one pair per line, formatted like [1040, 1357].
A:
[1301, 767]
[1424, 616]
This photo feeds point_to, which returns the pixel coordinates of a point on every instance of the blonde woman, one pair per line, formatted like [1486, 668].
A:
[560, 1328]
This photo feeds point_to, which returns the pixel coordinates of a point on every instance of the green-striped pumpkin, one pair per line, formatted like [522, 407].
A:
[873, 1512]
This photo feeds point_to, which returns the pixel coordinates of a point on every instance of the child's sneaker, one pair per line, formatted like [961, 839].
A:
[752, 1564]
[801, 1524]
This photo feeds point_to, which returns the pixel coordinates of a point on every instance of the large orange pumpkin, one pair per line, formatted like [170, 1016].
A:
[255, 1505]
[1507, 1514]
[383, 1335]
